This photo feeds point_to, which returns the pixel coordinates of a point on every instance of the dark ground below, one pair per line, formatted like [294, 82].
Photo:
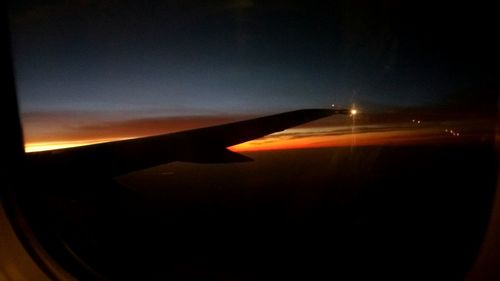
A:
[370, 213]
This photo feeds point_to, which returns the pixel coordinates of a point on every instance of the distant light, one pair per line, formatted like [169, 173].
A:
[458, 134]
[418, 121]
[413, 120]
[354, 111]
[333, 105]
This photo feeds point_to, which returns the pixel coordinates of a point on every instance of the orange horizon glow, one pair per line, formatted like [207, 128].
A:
[401, 137]
[304, 138]
[51, 131]
[53, 145]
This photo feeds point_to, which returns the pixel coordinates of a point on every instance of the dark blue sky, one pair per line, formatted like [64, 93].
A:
[239, 57]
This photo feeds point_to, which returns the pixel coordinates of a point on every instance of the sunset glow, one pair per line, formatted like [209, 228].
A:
[398, 137]
[53, 145]
[297, 138]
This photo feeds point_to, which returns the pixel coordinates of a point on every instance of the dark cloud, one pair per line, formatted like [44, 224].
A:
[74, 126]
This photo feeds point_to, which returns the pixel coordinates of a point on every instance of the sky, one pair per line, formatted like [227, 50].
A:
[90, 71]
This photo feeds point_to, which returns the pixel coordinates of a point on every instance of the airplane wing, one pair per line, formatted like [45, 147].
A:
[207, 144]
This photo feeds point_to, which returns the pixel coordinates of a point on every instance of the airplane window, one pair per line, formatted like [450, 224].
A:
[250, 140]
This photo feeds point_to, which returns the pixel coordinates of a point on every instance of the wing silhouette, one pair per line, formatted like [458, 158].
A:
[207, 145]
